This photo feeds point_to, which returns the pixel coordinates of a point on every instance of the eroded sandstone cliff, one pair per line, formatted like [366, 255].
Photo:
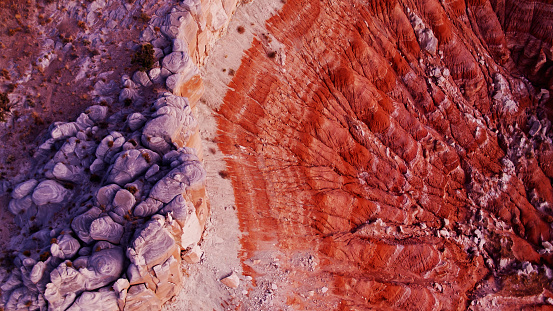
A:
[402, 148]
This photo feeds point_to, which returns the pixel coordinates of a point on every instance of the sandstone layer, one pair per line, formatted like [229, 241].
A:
[396, 155]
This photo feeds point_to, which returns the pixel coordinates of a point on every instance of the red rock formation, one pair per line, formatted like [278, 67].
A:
[527, 31]
[395, 165]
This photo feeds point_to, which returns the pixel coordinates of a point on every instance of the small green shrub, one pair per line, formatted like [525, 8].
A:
[132, 189]
[10, 159]
[147, 157]
[144, 57]
[4, 106]
[44, 256]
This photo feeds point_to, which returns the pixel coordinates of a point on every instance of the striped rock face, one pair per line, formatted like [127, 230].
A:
[391, 141]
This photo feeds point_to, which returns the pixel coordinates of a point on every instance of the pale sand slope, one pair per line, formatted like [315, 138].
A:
[221, 241]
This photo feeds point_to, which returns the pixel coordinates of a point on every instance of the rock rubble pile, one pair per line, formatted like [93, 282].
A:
[129, 232]
[119, 197]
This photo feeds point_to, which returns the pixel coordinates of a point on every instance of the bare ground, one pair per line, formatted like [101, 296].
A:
[221, 241]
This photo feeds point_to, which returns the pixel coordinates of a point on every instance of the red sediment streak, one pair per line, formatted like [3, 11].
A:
[329, 141]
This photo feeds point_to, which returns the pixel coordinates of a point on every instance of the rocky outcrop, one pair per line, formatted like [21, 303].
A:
[47, 192]
[104, 220]
[76, 262]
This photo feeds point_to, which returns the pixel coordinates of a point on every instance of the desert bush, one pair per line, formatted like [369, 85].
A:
[4, 106]
[132, 189]
[144, 57]
[143, 17]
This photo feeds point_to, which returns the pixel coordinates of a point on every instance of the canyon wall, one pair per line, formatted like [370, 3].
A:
[396, 154]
